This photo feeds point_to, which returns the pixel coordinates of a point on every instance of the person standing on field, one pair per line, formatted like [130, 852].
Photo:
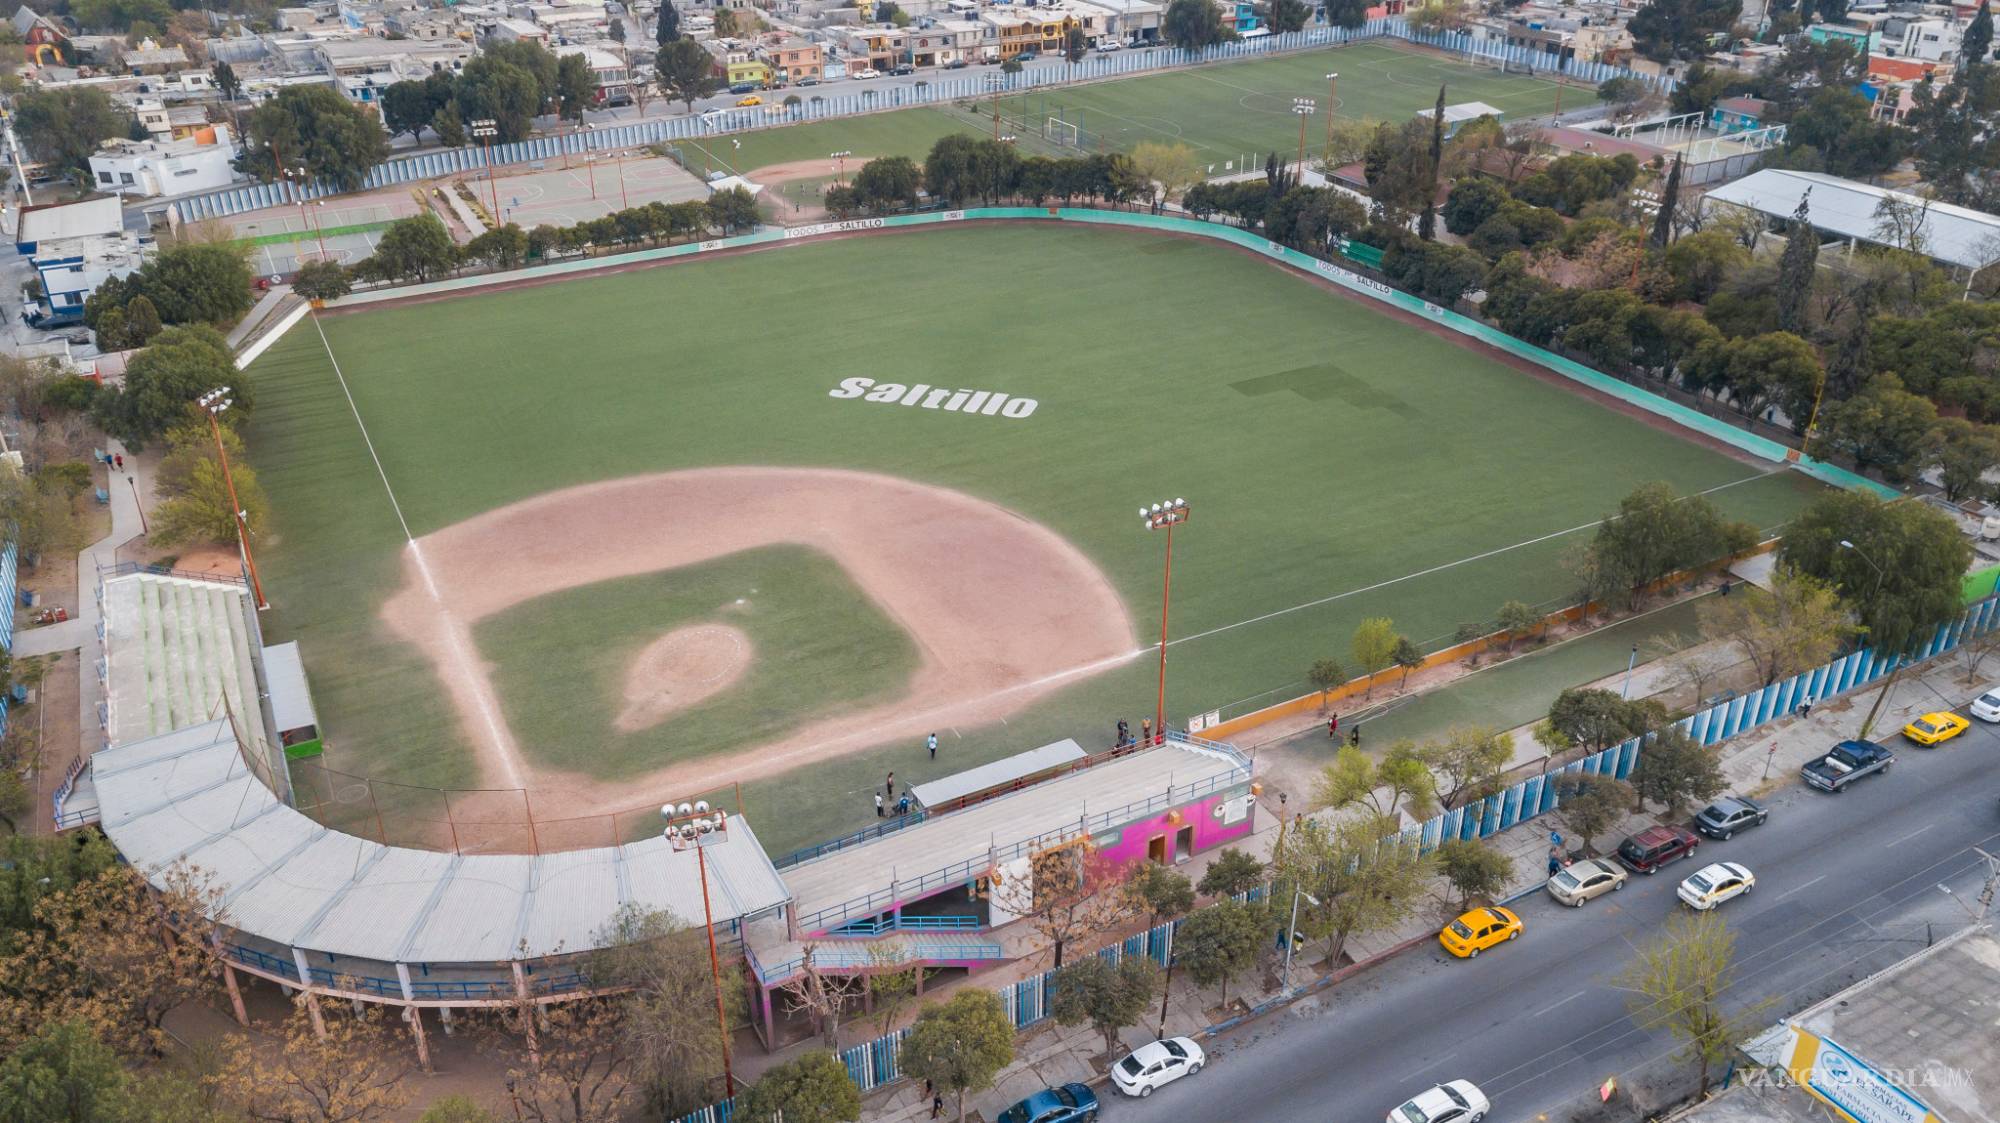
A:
[879, 813]
[931, 741]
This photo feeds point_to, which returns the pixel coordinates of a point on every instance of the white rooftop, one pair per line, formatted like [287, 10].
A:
[994, 773]
[1958, 235]
[291, 698]
[48, 222]
[1465, 111]
[174, 649]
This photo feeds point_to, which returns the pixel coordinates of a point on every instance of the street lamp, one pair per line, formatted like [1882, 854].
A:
[1303, 107]
[1332, 107]
[1164, 516]
[1291, 931]
[486, 128]
[1863, 555]
[213, 403]
[696, 827]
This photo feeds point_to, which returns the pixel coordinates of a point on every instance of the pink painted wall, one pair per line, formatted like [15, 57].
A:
[1208, 830]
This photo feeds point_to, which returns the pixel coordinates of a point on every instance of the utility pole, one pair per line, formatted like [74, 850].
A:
[213, 403]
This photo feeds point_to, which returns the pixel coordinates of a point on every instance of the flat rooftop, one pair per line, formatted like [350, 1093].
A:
[941, 852]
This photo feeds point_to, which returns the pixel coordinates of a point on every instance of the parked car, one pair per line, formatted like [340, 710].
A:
[867, 72]
[808, 81]
[1580, 881]
[1732, 813]
[1150, 1066]
[1654, 847]
[1460, 1101]
[743, 88]
[904, 68]
[1712, 885]
[1936, 728]
[957, 64]
[1986, 707]
[1027, 56]
[753, 99]
[1478, 930]
[1110, 45]
[1071, 1103]
[1845, 763]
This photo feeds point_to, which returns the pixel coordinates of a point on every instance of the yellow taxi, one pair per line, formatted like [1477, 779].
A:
[1932, 729]
[1478, 930]
[752, 99]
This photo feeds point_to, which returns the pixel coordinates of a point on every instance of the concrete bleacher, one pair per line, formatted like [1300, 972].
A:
[174, 648]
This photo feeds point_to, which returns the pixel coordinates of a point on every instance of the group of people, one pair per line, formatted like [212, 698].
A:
[1145, 732]
[1333, 731]
[900, 806]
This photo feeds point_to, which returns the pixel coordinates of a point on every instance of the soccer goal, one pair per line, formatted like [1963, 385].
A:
[1064, 133]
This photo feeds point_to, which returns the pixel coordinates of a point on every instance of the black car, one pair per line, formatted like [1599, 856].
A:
[904, 69]
[1731, 813]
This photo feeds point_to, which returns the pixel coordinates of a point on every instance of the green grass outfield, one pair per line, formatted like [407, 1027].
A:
[1340, 465]
[1224, 111]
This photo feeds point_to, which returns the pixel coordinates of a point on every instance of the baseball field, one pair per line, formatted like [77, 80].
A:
[641, 535]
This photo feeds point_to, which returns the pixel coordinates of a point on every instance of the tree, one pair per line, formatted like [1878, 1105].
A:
[1553, 740]
[1884, 427]
[142, 321]
[1354, 780]
[811, 1088]
[1220, 942]
[63, 1074]
[63, 127]
[1010, 66]
[1702, 262]
[503, 247]
[1363, 881]
[1166, 169]
[195, 500]
[668, 28]
[1795, 268]
[1065, 893]
[1398, 167]
[195, 282]
[821, 996]
[1284, 16]
[1656, 532]
[1408, 656]
[1349, 14]
[1373, 647]
[1473, 869]
[576, 86]
[508, 84]
[1590, 805]
[416, 249]
[1108, 997]
[731, 210]
[224, 76]
[1663, 219]
[668, 1013]
[1473, 200]
[349, 1075]
[684, 70]
[888, 183]
[163, 381]
[1427, 223]
[1598, 719]
[1965, 453]
[407, 107]
[1514, 618]
[1678, 984]
[1675, 770]
[321, 280]
[1193, 25]
[960, 1045]
[317, 128]
[1897, 565]
[1796, 626]
[1669, 29]
[1075, 45]
[1232, 874]
[1467, 764]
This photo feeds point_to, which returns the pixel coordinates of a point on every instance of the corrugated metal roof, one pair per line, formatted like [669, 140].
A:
[187, 795]
[941, 791]
[1959, 235]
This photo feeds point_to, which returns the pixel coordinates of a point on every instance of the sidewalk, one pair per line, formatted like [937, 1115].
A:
[1757, 765]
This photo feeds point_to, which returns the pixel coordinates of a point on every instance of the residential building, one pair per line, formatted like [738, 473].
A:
[73, 248]
[1863, 41]
[795, 60]
[151, 58]
[201, 162]
[614, 78]
[877, 47]
[516, 31]
[1125, 21]
[737, 62]
[171, 122]
[1933, 40]
[1738, 114]
[1241, 15]
[1009, 33]
[43, 37]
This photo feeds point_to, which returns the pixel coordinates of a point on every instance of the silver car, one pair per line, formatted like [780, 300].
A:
[1580, 881]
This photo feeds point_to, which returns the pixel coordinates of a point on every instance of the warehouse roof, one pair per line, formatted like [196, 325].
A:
[1956, 235]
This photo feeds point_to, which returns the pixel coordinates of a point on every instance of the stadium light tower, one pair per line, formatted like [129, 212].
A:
[840, 158]
[486, 128]
[1303, 106]
[1332, 106]
[213, 403]
[697, 827]
[1165, 516]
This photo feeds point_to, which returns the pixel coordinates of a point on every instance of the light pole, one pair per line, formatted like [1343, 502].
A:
[840, 165]
[213, 403]
[993, 84]
[486, 128]
[590, 166]
[624, 204]
[1332, 107]
[1291, 931]
[1164, 516]
[1625, 691]
[695, 827]
[1303, 107]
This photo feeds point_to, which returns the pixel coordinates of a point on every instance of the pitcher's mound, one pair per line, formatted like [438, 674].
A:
[680, 669]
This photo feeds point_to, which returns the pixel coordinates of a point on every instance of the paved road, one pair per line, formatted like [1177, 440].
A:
[1845, 886]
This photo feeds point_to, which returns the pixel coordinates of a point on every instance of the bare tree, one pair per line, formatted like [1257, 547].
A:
[822, 997]
[575, 1062]
[1065, 893]
[669, 1007]
[351, 1073]
[1901, 220]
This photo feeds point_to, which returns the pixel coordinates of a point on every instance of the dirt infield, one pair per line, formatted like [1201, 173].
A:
[1000, 609]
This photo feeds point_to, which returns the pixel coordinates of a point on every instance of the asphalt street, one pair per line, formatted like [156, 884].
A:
[1845, 886]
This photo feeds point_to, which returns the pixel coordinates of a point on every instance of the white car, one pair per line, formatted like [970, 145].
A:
[1715, 884]
[869, 72]
[1457, 1102]
[1162, 1062]
[1986, 707]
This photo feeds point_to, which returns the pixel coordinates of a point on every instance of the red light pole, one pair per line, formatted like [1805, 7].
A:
[486, 128]
[1165, 516]
[213, 403]
[1303, 106]
[624, 204]
[695, 827]
[1332, 107]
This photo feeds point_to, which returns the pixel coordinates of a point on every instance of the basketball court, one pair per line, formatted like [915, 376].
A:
[583, 188]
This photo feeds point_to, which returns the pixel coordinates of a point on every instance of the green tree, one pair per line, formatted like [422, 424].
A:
[960, 1045]
[1795, 268]
[1965, 453]
[1427, 221]
[63, 1074]
[1398, 167]
[201, 282]
[1473, 869]
[163, 381]
[225, 79]
[63, 127]
[1676, 29]
[502, 247]
[668, 28]
[317, 128]
[1467, 763]
[321, 280]
[732, 210]
[1473, 200]
[142, 321]
[1884, 427]
[1670, 197]
[1897, 565]
[667, 1011]
[576, 87]
[1678, 983]
[112, 334]
[1656, 533]
[1590, 805]
[811, 1088]
[1796, 626]
[1075, 45]
[1515, 618]
[1220, 942]
[1109, 997]
[416, 249]
[888, 183]
[1408, 656]
[1402, 781]
[1285, 16]
[1676, 770]
[1701, 262]
[457, 1109]
[1168, 169]
[1597, 719]
[1349, 14]
[1373, 647]
[1364, 882]
[497, 87]
[1194, 24]
[684, 70]
[195, 503]
[1232, 874]
[407, 108]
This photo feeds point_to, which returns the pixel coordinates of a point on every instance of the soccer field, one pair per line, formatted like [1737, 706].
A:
[1224, 111]
[1339, 464]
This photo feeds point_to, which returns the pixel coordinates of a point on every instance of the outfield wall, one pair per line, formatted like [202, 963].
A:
[821, 107]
